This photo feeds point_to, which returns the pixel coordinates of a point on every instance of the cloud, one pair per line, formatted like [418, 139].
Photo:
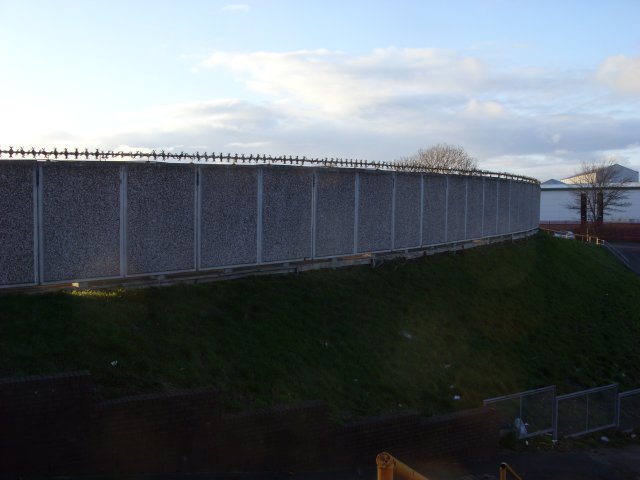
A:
[335, 83]
[236, 8]
[621, 73]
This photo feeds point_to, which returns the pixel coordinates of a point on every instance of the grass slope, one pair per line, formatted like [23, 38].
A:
[493, 320]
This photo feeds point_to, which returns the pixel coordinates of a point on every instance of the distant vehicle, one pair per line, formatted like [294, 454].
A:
[565, 234]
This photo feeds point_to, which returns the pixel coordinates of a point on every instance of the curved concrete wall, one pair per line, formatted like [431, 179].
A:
[73, 221]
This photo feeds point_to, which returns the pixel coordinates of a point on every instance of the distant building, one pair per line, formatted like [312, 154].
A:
[556, 197]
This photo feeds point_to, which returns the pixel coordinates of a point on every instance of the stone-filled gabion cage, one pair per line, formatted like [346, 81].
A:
[70, 216]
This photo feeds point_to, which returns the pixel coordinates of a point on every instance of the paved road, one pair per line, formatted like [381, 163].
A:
[631, 252]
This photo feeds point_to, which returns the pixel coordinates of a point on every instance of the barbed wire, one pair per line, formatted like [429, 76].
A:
[234, 159]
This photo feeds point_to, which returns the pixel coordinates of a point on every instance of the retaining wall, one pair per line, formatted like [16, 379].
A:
[51, 427]
[73, 221]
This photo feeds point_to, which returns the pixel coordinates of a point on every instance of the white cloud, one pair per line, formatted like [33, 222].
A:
[236, 8]
[621, 73]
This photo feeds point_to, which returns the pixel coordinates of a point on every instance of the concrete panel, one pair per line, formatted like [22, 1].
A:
[228, 215]
[375, 211]
[514, 205]
[489, 225]
[435, 204]
[474, 207]
[503, 207]
[160, 218]
[407, 214]
[286, 213]
[17, 254]
[335, 212]
[456, 205]
[80, 221]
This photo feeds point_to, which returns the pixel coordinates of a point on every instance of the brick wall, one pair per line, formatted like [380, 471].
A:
[49, 425]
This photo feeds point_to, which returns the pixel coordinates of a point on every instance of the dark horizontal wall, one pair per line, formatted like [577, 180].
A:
[286, 221]
[375, 197]
[160, 218]
[17, 223]
[80, 221]
[228, 216]
[51, 426]
[335, 213]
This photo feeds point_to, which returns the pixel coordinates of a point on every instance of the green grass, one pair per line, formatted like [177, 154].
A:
[406, 335]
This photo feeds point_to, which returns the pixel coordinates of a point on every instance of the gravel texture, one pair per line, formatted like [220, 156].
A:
[434, 223]
[456, 208]
[374, 211]
[160, 218]
[81, 221]
[229, 215]
[17, 256]
[286, 213]
[407, 213]
[474, 207]
[335, 213]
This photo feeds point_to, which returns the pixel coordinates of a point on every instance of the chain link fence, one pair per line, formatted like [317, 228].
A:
[540, 411]
[530, 413]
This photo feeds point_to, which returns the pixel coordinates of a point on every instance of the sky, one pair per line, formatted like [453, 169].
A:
[528, 87]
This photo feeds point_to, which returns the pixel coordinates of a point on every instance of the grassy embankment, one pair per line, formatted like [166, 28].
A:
[490, 321]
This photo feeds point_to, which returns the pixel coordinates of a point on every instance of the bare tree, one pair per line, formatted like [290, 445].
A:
[441, 157]
[598, 188]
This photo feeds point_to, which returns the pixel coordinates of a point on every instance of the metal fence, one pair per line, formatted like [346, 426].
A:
[540, 411]
[585, 412]
[241, 159]
[629, 410]
[531, 413]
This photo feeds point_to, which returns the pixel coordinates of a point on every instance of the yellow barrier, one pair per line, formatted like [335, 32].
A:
[387, 465]
[504, 469]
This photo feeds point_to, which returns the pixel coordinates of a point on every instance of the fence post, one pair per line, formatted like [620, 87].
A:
[36, 223]
[466, 206]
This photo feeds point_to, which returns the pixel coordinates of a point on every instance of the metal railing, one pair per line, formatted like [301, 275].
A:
[236, 159]
[629, 410]
[387, 465]
[531, 413]
[585, 412]
[505, 469]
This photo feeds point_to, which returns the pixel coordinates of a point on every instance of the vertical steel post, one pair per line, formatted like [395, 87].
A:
[124, 177]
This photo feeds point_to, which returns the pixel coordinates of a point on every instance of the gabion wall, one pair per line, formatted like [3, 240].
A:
[86, 220]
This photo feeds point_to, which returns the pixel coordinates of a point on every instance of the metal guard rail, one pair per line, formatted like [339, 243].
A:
[233, 159]
[504, 469]
[387, 464]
